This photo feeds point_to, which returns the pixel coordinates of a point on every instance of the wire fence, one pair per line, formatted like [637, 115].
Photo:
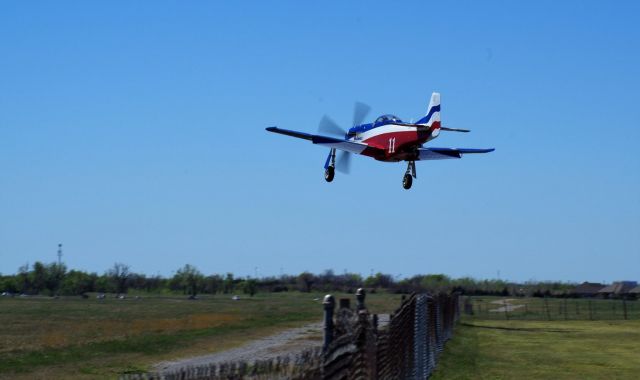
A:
[355, 346]
[551, 308]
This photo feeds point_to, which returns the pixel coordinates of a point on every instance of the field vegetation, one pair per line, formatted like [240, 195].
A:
[55, 279]
[72, 337]
[487, 345]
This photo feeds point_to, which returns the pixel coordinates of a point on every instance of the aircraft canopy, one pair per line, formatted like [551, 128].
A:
[385, 119]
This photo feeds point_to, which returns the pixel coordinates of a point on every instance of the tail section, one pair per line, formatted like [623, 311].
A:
[433, 113]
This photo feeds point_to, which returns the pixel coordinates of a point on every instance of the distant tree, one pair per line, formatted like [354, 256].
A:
[250, 286]
[8, 284]
[24, 283]
[104, 284]
[190, 279]
[78, 282]
[213, 284]
[54, 275]
[352, 280]
[228, 283]
[379, 280]
[151, 284]
[39, 277]
[436, 282]
[305, 281]
[119, 275]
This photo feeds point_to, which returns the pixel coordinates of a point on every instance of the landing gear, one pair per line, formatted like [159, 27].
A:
[409, 175]
[407, 181]
[329, 173]
[330, 166]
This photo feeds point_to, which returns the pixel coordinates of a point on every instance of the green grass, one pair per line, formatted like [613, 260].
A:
[526, 349]
[90, 338]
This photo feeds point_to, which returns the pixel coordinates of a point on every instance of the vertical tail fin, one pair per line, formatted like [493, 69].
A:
[433, 112]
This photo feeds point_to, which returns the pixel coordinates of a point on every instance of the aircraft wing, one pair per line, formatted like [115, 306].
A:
[446, 153]
[331, 142]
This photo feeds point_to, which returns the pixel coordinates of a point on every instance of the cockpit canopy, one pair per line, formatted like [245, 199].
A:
[386, 119]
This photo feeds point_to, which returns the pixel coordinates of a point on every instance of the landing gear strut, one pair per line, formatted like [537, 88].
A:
[409, 175]
[330, 171]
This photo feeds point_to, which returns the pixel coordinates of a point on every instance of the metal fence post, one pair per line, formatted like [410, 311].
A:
[329, 304]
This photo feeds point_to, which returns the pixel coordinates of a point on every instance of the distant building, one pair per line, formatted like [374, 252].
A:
[588, 289]
[618, 288]
[635, 291]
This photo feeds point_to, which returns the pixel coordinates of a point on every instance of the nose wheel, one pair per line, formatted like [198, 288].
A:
[409, 175]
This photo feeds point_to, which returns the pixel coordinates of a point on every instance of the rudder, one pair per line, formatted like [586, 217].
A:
[433, 112]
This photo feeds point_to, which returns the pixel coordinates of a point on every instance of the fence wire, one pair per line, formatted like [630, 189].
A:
[406, 348]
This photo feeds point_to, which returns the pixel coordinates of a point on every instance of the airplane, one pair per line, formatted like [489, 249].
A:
[387, 139]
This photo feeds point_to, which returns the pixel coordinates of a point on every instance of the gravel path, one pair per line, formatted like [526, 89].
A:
[288, 342]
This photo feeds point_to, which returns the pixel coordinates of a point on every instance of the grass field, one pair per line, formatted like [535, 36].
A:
[487, 347]
[90, 338]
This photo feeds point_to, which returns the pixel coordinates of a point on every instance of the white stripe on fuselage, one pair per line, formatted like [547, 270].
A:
[387, 128]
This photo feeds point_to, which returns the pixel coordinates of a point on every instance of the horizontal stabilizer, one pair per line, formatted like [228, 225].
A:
[454, 129]
[447, 153]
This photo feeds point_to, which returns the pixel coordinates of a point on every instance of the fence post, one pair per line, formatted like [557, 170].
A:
[546, 305]
[613, 307]
[624, 306]
[590, 311]
[360, 296]
[329, 304]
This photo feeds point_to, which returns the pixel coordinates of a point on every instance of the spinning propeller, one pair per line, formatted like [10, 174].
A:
[330, 127]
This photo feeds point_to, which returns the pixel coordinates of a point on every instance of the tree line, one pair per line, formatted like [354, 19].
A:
[55, 279]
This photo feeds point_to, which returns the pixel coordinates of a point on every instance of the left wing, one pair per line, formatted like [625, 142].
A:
[331, 142]
[446, 153]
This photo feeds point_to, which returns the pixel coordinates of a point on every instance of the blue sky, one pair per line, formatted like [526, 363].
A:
[134, 132]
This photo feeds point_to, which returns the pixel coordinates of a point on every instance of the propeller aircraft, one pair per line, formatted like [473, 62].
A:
[387, 139]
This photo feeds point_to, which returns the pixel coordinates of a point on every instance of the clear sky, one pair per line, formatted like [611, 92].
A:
[134, 132]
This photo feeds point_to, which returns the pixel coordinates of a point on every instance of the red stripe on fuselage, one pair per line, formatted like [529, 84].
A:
[396, 145]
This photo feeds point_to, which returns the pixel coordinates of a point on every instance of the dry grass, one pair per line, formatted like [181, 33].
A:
[90, 338]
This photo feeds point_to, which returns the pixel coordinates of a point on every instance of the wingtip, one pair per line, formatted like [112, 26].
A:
[271, 129]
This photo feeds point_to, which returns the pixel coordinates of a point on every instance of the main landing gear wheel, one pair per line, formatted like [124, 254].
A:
[407, 181]
[409, 175]
[329, 173]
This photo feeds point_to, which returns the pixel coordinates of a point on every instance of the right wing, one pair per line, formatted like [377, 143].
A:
[331, 142]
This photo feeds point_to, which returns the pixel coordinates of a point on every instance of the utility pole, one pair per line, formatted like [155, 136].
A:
[59, 254]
